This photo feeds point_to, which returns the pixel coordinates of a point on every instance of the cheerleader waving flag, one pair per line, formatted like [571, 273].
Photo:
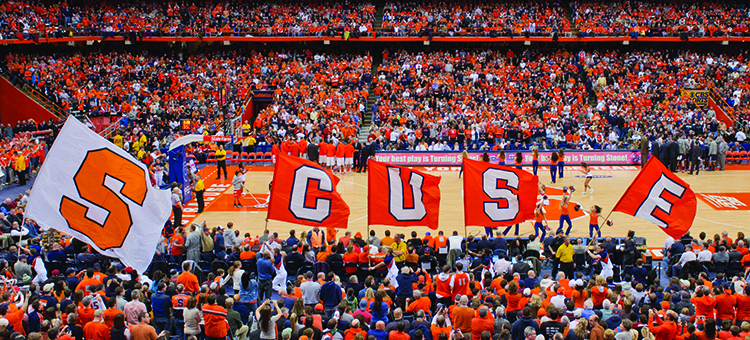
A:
[660, 197]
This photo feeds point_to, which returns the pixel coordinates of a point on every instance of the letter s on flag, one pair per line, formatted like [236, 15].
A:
[96, 192]
[658, 196]
[410, 197]
[497, 196]
[304, 193]
[95, 187]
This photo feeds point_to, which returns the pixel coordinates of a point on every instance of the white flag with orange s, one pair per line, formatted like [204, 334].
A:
[96, 192]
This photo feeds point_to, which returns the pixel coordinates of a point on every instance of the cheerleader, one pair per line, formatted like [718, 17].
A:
[501, 158]
[535, 161]
[464, 155]
[565, 210]
[553, 166]
[561, 163]
[519, 160]
[594, 215]
[540, 225]
[587, 172]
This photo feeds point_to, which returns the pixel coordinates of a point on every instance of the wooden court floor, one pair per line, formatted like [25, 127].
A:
[607, 191]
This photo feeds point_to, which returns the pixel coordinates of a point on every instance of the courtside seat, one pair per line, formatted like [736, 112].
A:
[268, 158]
[211, 157]
[259, 158]
[744, 157]
[733, 157]
[243, 158]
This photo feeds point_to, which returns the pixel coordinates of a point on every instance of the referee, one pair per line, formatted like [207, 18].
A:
[221, 162]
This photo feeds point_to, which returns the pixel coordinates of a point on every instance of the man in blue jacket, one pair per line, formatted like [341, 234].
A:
[405, 288]
[161, 306]
[516, 331]
[265, 277]
[330, 294]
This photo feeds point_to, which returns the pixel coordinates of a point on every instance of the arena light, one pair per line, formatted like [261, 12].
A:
[527, 42]
[326, 42]
[426, 43]
[128, 42]
[626, 42]
[89, 42]
[725, 42]
[227, 42]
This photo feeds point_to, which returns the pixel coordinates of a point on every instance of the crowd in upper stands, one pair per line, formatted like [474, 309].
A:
[474, 18]
[351, 19]
[32, 20]
[652, 19]
[584, 100]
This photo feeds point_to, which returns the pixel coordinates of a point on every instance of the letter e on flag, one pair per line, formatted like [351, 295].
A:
[658, 196]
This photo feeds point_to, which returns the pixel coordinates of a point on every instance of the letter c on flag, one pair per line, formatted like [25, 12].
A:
[322, 207]
[98, 167]
[396, 196]
[655, 202]
[490, 187]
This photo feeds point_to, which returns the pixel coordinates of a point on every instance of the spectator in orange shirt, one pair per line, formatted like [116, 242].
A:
[96, 329]
[188, 279]
[484, 321]
[419, 303]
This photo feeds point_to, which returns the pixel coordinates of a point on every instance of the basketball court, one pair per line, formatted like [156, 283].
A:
[723, 204]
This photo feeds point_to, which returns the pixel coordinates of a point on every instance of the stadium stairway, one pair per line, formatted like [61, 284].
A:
[25, 103]
[364, 130]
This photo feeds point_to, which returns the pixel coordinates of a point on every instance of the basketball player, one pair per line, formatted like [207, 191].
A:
[587, 172]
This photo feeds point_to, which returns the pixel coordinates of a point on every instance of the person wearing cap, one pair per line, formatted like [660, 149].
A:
[362, 310]
[96, 329]
[49, 300]
[21, 267]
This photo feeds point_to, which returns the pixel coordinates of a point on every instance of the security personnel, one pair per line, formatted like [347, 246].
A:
[21, 168]
[221, 162]
[200, 188]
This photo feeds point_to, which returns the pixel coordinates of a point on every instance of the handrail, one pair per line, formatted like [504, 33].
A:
[44, 101]
[728, 110]
[109, 130]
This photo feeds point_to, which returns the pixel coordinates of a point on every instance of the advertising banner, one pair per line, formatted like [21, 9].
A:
[453, 158]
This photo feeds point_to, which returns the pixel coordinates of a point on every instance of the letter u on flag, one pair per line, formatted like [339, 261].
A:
[658, 196]
[496, 195]
[304, 193]
[400, 196]
[96, 192]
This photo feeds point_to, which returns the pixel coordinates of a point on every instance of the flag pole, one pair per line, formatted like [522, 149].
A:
[605, 220]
